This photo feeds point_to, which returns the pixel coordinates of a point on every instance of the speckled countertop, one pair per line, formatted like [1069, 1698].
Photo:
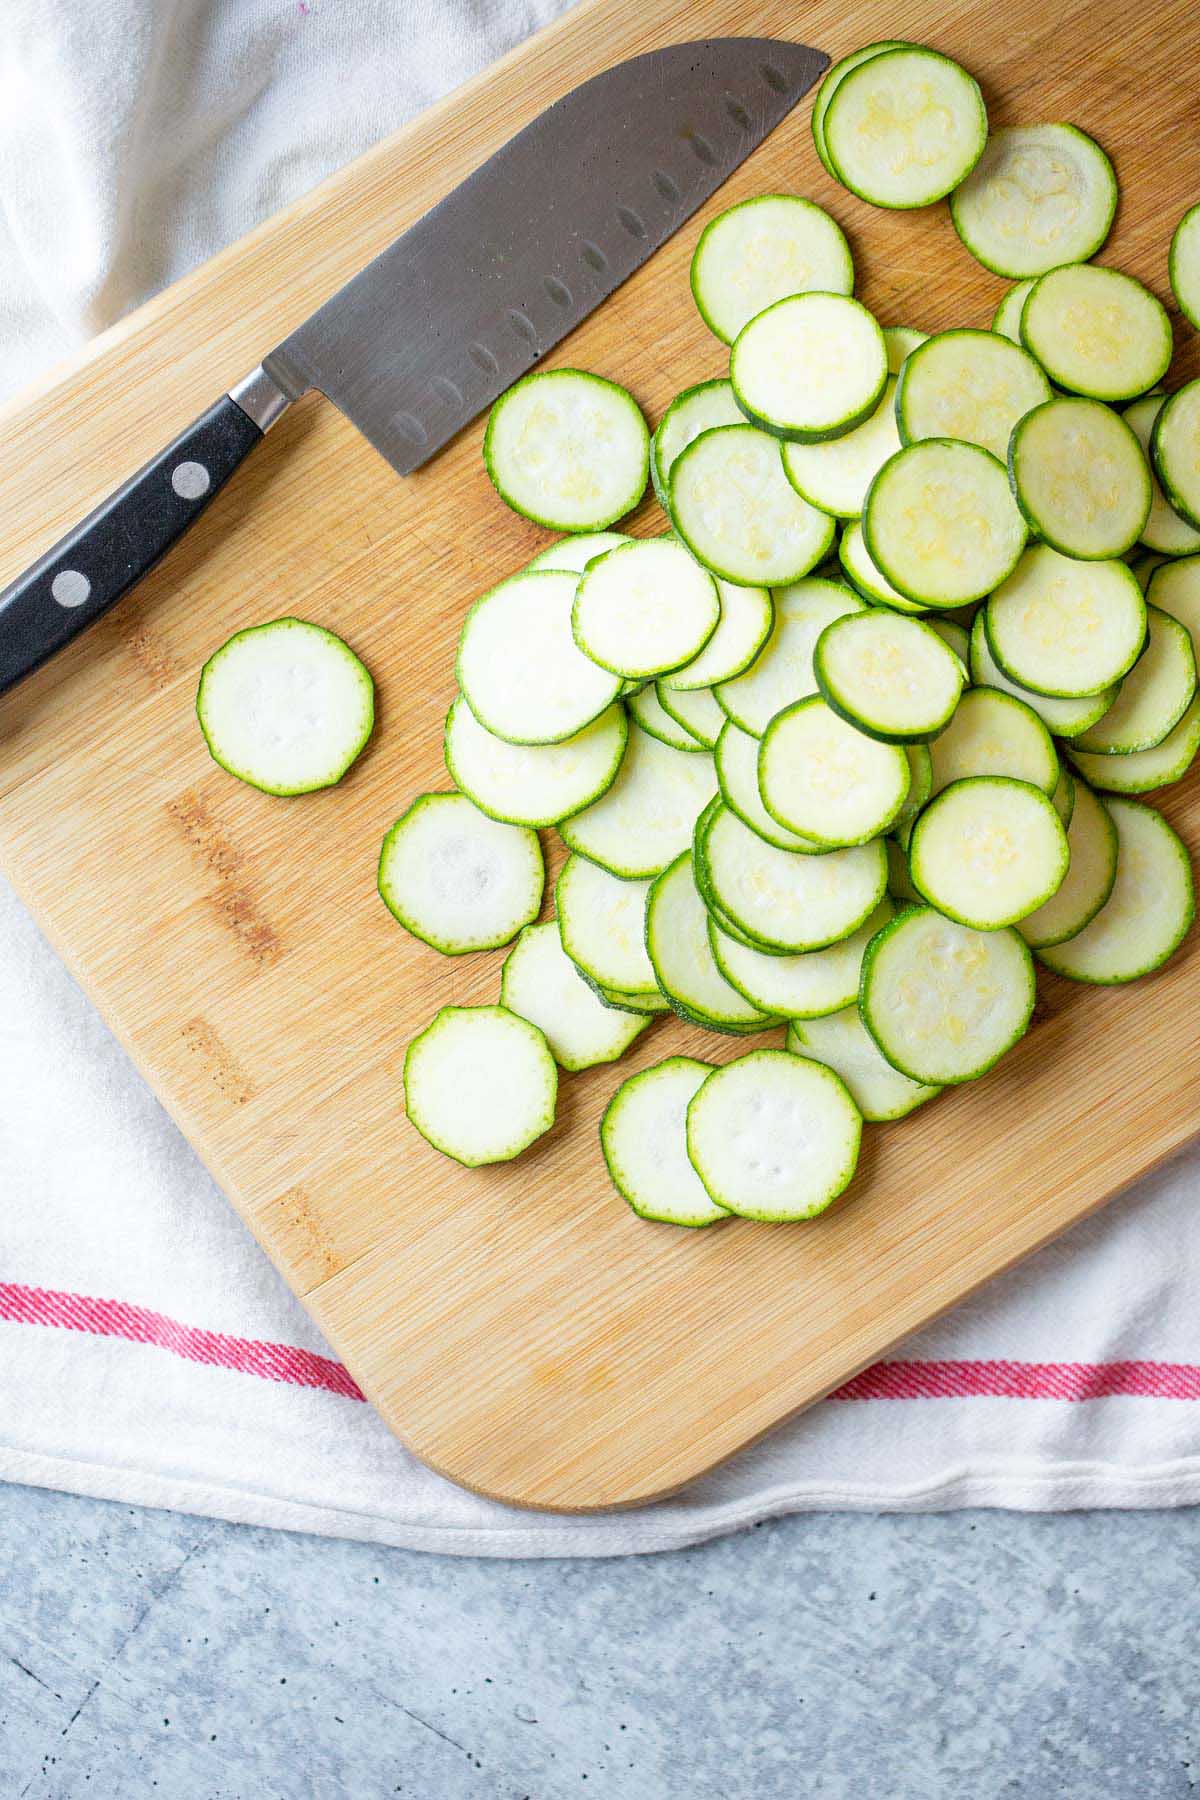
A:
[973, 1655]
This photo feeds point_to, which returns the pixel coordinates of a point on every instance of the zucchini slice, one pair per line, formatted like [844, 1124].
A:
[1164, 531]
[650, 1005]
[698, 409]
[736, 759]
[920, 787]
[567, 449]
[696, 709]
[940, 522]
[648, 814]
[575, 553]
[763, 250]
[1154, 695]
[836, 474]
[904, 128]
[893, 678]
[1147, 915]
[643, 1136]
[994, 733]
[774, 1136]
[833, 77]
[1066, 628]
[480, 1084]
[286, 706]
[868, 579]
[798, 987]
[1007, 317]
[782, 901]
[988, 851]
[539, 982]
[1065, 718]
[747, 615]
[647, 709]
[810, 367]
[1175, 449]
[783, 672]
[956, 636]
[1097, 332]
[519, 667]
[533, 784]
[901, 341]
[1039, 196]
[1092, 841]
[1174, 586]
[1183, 264]
[602, 923]
[942, 1001]
[644, 607]
[900, 885]
[1144, 562]
[738, 513]
[1063, 796]
[684, 966]
[972, 386]
[842, 1042]
[1144, 770]
[826, 780]
[458, 880]
[1080, 477]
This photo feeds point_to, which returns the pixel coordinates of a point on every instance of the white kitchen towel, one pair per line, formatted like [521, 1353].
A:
[149, 1351]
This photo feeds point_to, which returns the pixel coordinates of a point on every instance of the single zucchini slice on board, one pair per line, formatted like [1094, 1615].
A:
[524, 676]
[799, 987]
[647, 709]
[697, 409]
[783, 672]
[1154, 695]
[568, 450]
[575, 553]
[893, 678]
[1097, 332]
[1007, 317]
[904, 127]
[533, 784]
[458, 880]
[644, 607]
[994, 733]
[868, 579]
[648, 814]
[738, 513]
[1066, 628]
[836, 474]
[842, 1042]
[1144, 770]
[1080, 477]
[1065, 718]
[941, 524]
[1175, 448]
[774, 1136]
[762, 250]
[747, 614]
[834, 76]
[942, 1001]
[480, 1084]
[1092, 841]
[1039, 196]
[643, 1135]
[602, 922]
[810, 367]
[826, 780]
[696, 709]
[1164, 531]
[969, 385]
[1147, 915]
[286, 706]
[540, 983]
[1183, 264]
[684, 966]
[736, 759]
[779, 900]
[988, 851]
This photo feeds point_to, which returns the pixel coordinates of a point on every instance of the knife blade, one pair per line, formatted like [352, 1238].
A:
[464, 302]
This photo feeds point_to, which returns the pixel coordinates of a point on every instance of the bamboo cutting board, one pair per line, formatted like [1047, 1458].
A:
[518, 1327]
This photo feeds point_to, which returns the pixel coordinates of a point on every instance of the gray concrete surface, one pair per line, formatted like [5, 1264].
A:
[976, 1654]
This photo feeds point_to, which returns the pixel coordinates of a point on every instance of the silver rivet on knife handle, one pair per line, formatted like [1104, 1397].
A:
[260, 398]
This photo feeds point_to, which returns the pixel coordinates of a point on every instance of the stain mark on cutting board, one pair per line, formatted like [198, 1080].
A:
[296, 1235]
[235, 904]
[219, 1062]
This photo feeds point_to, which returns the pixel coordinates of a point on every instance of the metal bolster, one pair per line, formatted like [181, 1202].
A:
[260, 398]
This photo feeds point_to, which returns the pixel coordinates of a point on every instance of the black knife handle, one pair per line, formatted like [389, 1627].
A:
[101, 559]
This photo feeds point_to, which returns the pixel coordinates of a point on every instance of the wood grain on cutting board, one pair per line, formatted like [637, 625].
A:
[518, 1327]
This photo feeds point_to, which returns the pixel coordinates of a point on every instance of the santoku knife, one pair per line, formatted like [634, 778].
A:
[429, 333]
